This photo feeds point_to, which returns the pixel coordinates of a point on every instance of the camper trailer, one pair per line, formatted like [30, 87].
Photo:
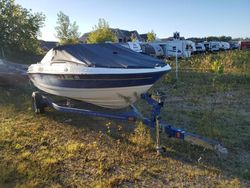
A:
[191, 46]
[135, 46]
[225, 45]
[244, 45]
[152, 49]
[158, 50]
[200, 47]
[212, 46]
[234, 45]
[183, 48]
[215, 46]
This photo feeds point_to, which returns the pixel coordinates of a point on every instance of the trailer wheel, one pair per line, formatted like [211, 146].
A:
[37, 103]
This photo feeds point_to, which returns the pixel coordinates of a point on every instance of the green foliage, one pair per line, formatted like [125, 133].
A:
[221, 38]
[141, 136]
[133, 37]
[214, 38]
[101, 33]
[217, 67]
[66, 32]
[19, 29]
[236, 61]
[151, 36]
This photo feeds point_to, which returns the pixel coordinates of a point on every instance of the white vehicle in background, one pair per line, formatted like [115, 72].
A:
[234, 45]
[135, 46]
[158, 50]
[183, 48]
[212, 46]
[215, 46]
[225, 45]
[200, 47]
[207, 45]
[152, 49]
[191, 46]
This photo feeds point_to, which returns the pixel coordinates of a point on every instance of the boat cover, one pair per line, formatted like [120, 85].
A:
[101, 55]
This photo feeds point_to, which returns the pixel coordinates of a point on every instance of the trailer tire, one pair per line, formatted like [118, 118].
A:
[37, 103]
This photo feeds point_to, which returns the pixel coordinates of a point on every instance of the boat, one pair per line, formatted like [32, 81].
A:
[106, 75]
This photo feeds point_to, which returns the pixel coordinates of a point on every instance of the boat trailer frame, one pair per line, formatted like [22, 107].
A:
[155, 101]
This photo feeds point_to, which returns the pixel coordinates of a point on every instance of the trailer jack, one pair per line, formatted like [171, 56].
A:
[40, 102]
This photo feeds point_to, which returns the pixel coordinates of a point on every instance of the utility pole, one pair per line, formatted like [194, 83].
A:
[176, 64]
[176, 37]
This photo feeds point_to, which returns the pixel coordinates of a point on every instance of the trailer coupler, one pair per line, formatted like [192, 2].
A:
[193, 139]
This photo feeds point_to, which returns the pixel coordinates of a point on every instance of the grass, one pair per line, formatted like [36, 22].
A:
[66, 150]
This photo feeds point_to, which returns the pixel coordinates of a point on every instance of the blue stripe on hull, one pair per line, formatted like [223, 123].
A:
[96, 81]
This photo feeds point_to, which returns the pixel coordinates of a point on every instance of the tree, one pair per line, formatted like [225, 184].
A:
[19, 28]
[67, 32]
[151, 36]
[133, 37]
[221, 38]
[101, 33]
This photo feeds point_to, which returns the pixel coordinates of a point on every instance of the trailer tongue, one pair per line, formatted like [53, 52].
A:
[155, 121]
[40, 102]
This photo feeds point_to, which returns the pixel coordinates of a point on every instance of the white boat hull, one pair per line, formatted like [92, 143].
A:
[115, 98]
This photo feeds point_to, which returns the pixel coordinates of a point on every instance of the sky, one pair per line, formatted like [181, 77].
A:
[192, 18]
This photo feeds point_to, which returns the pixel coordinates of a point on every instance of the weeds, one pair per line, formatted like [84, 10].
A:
[141, 136]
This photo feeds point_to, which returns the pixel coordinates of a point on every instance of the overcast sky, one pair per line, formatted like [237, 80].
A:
[192, 18]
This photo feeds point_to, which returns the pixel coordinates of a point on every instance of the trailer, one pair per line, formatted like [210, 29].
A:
[191, 46]
[213, 46]
[152, 49]
[244, 44]
[181, 48]
[156, 101]
[200, 47]
[234, 45]
[135, 46]
[225, 45]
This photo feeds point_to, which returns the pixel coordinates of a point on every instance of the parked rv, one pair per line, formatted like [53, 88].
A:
[183, 48]
[200, 47]
[135, 46]
[212, 46]
[225, 45]
[244, 45]
[234, 45]
[191, 46]
[158, 50]
[152, 49]
[206, 45]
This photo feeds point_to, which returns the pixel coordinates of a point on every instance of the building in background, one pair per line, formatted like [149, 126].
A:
[122, 36]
